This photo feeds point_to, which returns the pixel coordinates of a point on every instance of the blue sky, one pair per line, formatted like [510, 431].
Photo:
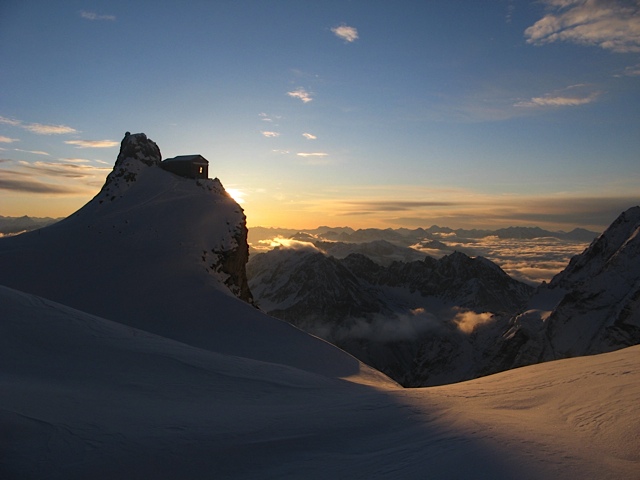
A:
[361, 113]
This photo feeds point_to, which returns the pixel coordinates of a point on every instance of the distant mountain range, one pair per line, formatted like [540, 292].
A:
[408, 237]
[427, 322]
[15, 225]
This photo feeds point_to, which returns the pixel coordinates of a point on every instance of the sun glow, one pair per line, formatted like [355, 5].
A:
[237, 195]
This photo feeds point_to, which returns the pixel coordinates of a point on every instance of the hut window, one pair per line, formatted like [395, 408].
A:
[200, 170]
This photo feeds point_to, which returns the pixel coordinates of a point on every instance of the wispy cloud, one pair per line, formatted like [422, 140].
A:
[67, 170]
[4, 139]
[301, 94]
[21, 182]
[309, 136]
[315, 158]
[265, 117]
[39, 128]
[563, 98]
[346, 33]
[79, 160]
[415, 206]
[33, 186]
[632, 71]
[270, 134]
[394, 205]
[35, 152]
[92, 143]
[94, 16]
[10, 121]
[42, 129]
[609, 24]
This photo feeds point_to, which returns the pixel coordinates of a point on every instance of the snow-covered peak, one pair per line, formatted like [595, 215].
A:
[618, 248]
[593, 306]
[148, 247]
[137, 152]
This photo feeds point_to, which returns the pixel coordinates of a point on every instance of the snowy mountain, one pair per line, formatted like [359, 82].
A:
[131, 353]
[164, 254]
[85, 397]
[420, 322]
[593, 306]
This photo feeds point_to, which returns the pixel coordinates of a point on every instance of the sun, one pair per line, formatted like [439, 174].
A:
[237, 195]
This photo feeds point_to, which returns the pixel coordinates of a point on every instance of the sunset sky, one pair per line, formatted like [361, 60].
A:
[363, 113]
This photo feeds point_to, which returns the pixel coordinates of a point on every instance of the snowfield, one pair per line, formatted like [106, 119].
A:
[125, 353]
[85, 397]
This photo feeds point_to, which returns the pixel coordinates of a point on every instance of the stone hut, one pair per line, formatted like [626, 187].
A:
[189, 166]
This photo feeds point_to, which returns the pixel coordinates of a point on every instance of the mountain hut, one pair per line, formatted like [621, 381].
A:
[189, 166]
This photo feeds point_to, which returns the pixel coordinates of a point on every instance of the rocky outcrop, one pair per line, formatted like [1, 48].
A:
[136, 152]
[140, 147]
[232, 263]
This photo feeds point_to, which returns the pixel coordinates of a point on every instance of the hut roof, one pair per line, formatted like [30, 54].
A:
[188, 158]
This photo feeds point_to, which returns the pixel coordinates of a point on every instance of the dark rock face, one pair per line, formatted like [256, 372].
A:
[140, 147]
[318, 289]
[474, 283]
[233, 263]
[402, 319]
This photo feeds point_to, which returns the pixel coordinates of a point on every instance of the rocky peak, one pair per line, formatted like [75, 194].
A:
[614, 249]
[140, 147]
[137, 152]
[202, 216]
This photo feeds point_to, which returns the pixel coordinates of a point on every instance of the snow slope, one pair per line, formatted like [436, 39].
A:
[85, 397]
[146, 252]
[142, 362]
